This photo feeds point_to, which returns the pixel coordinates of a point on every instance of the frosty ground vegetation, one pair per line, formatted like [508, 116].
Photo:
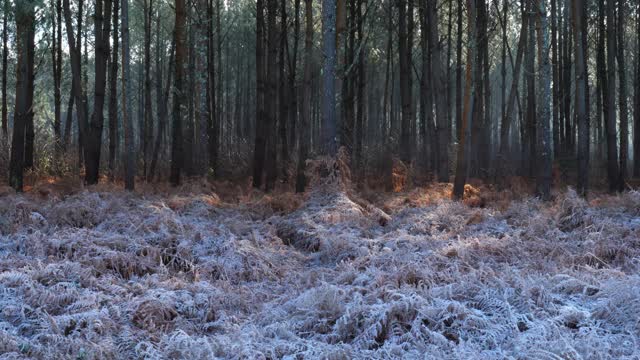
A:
[106, 274]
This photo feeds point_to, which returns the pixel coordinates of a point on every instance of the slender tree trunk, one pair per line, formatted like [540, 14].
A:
[405, 75]
[636, 106]
[624, 116]
[459, 70]
[271, 95]
[127, 118]
[102, 28]
[213, 124]
[555, 96]
[462, 164]
[543, 176]
[581, 108]
[25, 32]
[113, 93]
[5, 55]
[282, 94]
[503, 157]
[612, 150]
[328, 78]
[76, 69]
[148, 113]
[306, 97]
[178, 97]
[439, 94]
[56, 64]
[260, 140]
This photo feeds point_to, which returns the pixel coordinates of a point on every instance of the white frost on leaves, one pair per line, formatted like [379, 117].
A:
[105, 275]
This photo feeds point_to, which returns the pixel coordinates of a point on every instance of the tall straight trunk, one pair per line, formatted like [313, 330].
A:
[543, 176]
[306, 98]
[636, 106]
[25, 32]
[503, 72]
[405, 88]
[601, 71]
[148, 113]
[567, 91]
[271, 110]
[66, 140]
[359, 130]
[260, 139]
[459, 69]
[282, 94]
[212, 117]
[555, 76]
[76, 69]
[347, 113]
[581, 106]
[329, 129]
[439, 93]
[464, 133]
[127, 118]
[102, 28]
[612, 150]
[5, 55]
[427, 126]
[113, 93]
[29, 135]
[624, 116]
[530, 151]
[162, 103]
[293, 67]
[505, 128]
[56, 64]
[178, 96]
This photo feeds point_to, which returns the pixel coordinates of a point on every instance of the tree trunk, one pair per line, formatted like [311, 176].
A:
[328, 78]
[5, 55]
[306, 98]
[610, 119]
[178, 97]
[624, 116]
[271, 95]
[113, 94]
[102, 27]
[213, 124]
[405, 75]
[25, 33]
[503, 157]
[636, 107]
[439, 93]
[464, 132]
[543, 176]
[260, 140]
[56, 63]
[148, 113]
[127, 118]
[581, 107]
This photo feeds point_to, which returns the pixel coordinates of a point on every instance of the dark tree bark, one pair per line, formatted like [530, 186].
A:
[636, 106]
[148, 113]
[405, 87]
[113, 93]
[127, 118]
[25, 32]
[102, 24]
[260, 140]
[581, 106]
[543, 176]
[178, 96]
[213, 124]
[610, 119]
[328, 78]
[624, 116]
[505, 128]
[306, 98]
[459, 69]
[282, 93]
[464, 133]
[556, 79]
[438, 77]
[56, 63]
[271, 110]
[5, 55]
[76, 69]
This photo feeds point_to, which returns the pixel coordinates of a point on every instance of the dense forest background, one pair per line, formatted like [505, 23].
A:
[543, 90]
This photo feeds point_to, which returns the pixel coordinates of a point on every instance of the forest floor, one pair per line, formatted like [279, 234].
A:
[213, 271]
